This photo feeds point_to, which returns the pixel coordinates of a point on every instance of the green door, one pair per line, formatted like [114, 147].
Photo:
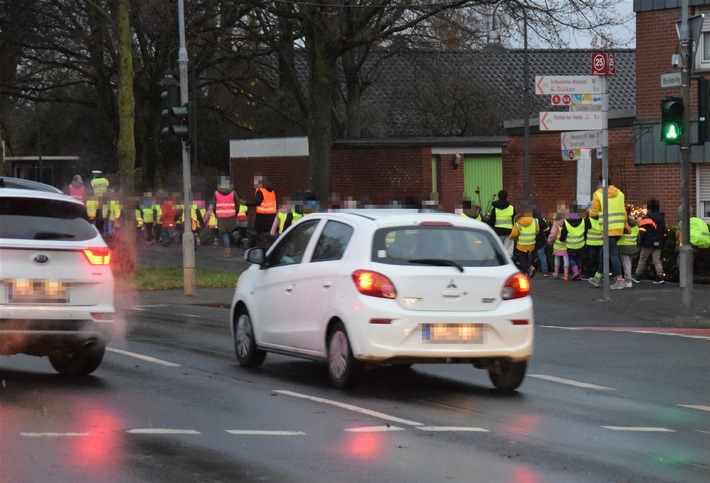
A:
[483, 172]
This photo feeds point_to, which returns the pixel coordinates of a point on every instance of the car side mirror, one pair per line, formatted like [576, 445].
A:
[254, 255]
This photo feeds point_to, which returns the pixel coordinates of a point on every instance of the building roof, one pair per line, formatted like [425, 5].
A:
[471, 93]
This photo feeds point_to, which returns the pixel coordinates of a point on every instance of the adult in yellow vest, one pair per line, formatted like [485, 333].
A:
[501, 220]
[99, 184]
[615, 214]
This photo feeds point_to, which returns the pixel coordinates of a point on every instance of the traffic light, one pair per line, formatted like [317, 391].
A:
[672, 120]
[179, 122]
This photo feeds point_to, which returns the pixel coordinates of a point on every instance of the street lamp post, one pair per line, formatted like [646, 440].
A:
[494, 46]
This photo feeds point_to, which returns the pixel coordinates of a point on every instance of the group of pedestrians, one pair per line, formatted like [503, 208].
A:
[575, 239]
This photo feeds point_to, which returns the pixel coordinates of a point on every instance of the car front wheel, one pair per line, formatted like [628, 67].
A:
[343, 369]
[507, 375]
[245, 343]
[79, 362]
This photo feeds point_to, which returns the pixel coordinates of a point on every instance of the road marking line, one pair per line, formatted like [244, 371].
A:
[54, 435]
[162, 431]
[695, 406]
[142, 357]
[570, 382]
[265, 433]
[677, 332]
[374, 429]
[639, 428]
[452, 428]
[350, 407]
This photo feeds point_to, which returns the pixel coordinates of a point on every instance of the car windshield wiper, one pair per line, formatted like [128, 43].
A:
[52, 235]
[437, 261]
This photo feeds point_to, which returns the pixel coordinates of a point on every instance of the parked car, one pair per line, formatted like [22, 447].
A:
[398, 287]
[56, 284]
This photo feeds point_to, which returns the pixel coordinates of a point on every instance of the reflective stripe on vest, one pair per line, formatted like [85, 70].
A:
[268, 204]
[594, 233]
[225, 205]
[629, 239]
[575, 236]
[527, 234]
[504, 218]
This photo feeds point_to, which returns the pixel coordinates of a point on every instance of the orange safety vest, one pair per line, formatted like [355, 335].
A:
[268, 205]
[225, 205]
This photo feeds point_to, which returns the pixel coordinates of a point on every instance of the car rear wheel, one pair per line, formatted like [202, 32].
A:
[507, 375]
[79, 362]
[343, 369]
[244, 343]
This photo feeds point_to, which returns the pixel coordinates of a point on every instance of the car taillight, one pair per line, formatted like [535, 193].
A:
[374, 284]
[517, 286]
[98, 256]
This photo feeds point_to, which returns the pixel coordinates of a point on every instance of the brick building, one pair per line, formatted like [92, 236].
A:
[449, 169]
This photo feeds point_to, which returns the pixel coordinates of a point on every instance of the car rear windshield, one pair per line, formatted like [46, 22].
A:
[411, 245]
[42, 219]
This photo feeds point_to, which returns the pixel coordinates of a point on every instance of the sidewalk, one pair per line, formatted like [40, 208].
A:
[660, 302]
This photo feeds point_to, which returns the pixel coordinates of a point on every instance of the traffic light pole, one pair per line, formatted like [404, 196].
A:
[685, 253]
[188, 238]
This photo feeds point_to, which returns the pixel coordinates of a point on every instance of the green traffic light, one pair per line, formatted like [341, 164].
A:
[673, 132]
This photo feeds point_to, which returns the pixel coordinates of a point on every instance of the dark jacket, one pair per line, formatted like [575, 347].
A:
[651, 236]
[541, 238]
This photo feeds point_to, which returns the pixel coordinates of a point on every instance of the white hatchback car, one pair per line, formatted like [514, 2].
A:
[56, 284]
[364, 287]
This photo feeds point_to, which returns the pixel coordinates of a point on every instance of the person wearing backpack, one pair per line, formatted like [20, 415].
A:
[652, 237]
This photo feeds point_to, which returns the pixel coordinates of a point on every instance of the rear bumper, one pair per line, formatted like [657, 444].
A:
[44, 337]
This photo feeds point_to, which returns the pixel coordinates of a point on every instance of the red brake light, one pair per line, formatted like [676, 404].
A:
[517, 286]
[373, 284]
[98, 256]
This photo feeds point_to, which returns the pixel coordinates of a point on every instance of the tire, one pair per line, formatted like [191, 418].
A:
[80, 362]
[507, 375]
[244, 343]
[343, 369]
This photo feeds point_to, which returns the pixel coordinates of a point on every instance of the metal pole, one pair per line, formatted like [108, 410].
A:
[526, 108]
[188, 239]
[685, 254]
[605, 187]
[526, 91]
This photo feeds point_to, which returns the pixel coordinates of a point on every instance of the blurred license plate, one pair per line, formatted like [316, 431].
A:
[452, 333]
[32, 291]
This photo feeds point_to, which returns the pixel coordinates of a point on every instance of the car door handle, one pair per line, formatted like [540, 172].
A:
[289, 288]
[327, 284]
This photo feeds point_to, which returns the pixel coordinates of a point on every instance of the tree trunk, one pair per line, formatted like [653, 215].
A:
[126, 249]
[320, 127]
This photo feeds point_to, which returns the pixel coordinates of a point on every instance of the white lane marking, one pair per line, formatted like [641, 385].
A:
[374, 429]
[350, 407]
[265, 433]
[639, 428]
[629, 330]
[162, 431]
[695, 406]
[53, 435]
[142, 357]
[453, 428]
[571, 382]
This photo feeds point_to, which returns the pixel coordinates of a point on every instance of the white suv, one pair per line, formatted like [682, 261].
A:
[56, 284]
[386, 287]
